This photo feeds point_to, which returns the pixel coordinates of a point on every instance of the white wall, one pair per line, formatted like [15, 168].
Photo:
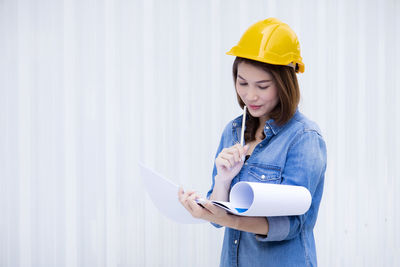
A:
[88, 88]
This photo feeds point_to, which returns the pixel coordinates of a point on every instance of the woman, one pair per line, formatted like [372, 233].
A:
[282, 146]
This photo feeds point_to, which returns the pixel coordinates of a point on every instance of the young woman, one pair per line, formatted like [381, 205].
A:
[282, 147]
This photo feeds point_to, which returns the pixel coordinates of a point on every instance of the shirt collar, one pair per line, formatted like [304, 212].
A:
[274, 127]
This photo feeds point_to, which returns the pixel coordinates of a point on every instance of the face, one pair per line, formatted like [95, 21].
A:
[257, 90]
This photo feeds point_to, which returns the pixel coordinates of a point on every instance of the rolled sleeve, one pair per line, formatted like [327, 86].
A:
[214, 172]
[279, 228]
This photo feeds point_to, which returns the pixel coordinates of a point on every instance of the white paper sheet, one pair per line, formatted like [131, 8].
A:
[246, 198]
[164, 195]
[263, 199]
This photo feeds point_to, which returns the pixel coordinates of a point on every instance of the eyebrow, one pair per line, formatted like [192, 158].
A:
[262, 81]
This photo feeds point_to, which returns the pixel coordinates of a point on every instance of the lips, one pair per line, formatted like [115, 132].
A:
[254, 107]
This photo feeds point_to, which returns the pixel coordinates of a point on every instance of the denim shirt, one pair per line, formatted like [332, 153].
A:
[292, 154]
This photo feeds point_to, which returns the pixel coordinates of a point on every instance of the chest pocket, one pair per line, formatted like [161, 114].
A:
[264, 173]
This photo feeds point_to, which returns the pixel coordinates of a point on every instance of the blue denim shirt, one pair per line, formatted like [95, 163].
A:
[292, 154]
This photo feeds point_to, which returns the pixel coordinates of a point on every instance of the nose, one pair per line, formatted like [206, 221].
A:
[252, 95]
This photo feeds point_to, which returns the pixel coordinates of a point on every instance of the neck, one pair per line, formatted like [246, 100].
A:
[263, 120]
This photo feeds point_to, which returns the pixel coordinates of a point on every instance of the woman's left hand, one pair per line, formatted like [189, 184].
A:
[210, 212]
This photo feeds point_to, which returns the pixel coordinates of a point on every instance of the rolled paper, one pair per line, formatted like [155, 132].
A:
[264, 199]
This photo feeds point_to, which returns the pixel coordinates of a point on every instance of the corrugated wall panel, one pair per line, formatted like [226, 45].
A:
[89, 88]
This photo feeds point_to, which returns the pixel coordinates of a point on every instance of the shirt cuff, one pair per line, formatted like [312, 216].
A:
[216, 225]
[278, 229]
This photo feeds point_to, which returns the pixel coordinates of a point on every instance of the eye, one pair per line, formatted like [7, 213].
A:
[263, 87]
[243, 84]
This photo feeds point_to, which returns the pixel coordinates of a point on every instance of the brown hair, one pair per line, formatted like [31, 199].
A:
[288, 92]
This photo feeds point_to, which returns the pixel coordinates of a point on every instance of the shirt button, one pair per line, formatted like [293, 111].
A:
[263, 176]
[235, 242]
[234, 124]
[267, 127]
[260, 145]
[245, 163]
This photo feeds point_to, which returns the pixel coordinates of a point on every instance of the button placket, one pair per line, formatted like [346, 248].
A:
[235, 248]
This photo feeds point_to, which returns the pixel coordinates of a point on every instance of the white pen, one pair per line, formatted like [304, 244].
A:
[243, 124]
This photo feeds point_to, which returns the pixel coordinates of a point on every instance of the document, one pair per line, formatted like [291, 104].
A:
[164, 195]
[246, 198]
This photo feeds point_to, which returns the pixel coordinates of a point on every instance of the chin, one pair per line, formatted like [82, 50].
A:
[255, 114]
[258, 113]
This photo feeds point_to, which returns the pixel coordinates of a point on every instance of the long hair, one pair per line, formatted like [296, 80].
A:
[285, 80]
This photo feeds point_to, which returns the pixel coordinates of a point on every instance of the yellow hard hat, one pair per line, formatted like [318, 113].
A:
[270, 41]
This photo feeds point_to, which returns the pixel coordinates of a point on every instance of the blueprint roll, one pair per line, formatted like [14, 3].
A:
[263, 199]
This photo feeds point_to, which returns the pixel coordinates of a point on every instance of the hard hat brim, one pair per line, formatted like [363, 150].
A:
[269, 61]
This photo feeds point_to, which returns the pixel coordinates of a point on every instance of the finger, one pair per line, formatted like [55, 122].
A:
[192, 199]
[186, 195]
[180, 194]
[194, 206]
[213, 209]
[193, 196]
[196, 197]
[230, 158]
[232, 148]
[223, 162]
[238, 145]
[207, 204]
[184, 202]
[180, 191]
[236, 154]
[228, 163]
[224, 150]
[187, 206]
[190, 193]
[196, 209]
[233, 151]
[210, 207]
[241, 152]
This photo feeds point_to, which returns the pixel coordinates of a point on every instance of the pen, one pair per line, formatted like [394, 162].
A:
[243, 124]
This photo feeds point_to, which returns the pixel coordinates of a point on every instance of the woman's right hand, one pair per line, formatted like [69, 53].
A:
[229, 162]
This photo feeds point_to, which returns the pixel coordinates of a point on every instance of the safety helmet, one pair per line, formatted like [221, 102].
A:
[270, 41]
